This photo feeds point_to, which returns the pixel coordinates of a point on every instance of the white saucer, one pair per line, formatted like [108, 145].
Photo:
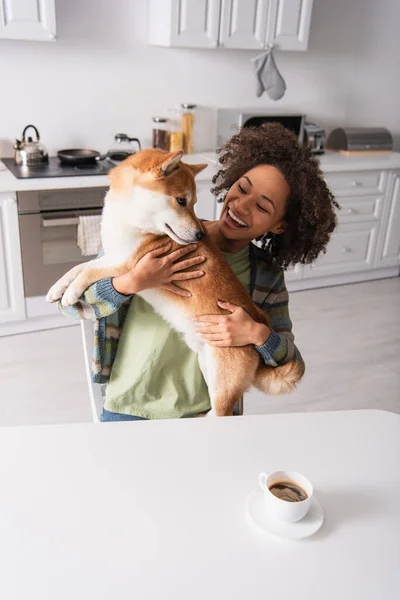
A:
[257, 513]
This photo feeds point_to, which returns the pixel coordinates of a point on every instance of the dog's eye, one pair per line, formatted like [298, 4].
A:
[181, 201]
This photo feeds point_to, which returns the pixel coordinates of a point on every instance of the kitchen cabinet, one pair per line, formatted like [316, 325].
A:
[366, 242]
[184, 23]
[288, 24]
[243, 24]
[12, 303]
[388, 254]
[351, 249]
[28, 20]
[235, 24]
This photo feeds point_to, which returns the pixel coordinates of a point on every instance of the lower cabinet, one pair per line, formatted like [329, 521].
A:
[351, 248]
[367, 238]
[12, 302]
[388, 254]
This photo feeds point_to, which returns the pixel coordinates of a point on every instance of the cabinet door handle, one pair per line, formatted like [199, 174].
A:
[346, 250]
[356, 183]
[351, 211]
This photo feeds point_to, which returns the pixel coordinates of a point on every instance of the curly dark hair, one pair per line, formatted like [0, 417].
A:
[310, 209]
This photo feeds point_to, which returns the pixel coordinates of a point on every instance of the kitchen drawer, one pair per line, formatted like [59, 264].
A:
[356, 183]
[351, 248]
[359, 208]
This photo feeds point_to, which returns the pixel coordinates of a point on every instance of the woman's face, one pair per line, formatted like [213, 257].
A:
[258, 201]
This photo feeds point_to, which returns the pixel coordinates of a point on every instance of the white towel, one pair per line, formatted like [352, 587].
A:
[88, 237]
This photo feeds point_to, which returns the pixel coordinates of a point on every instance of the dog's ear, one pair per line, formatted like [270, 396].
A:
[169, 164]
[196, 169]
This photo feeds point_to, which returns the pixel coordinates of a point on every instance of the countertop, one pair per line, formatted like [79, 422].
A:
[330, 162]
[156, 509]
[9, 183]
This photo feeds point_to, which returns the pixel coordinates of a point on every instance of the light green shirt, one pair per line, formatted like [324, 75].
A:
[155, 375]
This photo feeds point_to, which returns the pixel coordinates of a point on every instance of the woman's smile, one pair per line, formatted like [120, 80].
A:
[233, 220]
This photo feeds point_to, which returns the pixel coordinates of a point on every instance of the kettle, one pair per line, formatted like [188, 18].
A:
[29, 153]
[122, 147]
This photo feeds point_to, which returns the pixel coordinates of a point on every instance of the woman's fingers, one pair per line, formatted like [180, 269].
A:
[210, 329]
[176, 254]
[176, 290]
[204, 319]
[186, 275]
[189, 262]
[213, 337]
[161, 249]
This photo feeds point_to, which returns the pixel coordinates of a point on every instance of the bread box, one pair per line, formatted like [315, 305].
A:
[351, 140]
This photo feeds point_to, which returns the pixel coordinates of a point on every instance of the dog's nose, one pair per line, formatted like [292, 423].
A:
[200, 235]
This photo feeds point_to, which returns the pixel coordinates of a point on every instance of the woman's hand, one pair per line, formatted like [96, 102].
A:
[236, 329]
[158, 270]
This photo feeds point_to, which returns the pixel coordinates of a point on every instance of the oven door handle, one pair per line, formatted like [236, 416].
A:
[60, 222]
[66, 220]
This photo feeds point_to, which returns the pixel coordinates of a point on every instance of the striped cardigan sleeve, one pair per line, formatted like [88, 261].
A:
[280, 346]
[99, 300]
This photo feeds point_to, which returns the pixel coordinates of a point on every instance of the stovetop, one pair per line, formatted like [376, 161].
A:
[55, 169]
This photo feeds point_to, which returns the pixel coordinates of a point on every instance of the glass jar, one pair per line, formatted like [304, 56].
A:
[160, 133]
[188, 114]
[175, 131]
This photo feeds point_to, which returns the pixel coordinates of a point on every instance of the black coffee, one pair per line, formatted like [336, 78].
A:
[289, 491]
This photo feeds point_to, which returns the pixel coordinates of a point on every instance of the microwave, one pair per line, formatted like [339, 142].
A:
[230, 120]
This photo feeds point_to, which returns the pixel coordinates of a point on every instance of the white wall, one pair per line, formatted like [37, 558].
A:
[101, 77]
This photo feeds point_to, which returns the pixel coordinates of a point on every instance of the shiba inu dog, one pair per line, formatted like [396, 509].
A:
[152, 196]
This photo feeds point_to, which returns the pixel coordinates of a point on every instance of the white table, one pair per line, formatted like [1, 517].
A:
[152, 510]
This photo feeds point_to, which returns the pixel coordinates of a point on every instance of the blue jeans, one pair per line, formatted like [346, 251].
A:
[107, 416]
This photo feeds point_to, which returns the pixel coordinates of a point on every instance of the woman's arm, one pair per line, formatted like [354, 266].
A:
[101, 299]
[274, 343]
[279, 347]
[156, 269]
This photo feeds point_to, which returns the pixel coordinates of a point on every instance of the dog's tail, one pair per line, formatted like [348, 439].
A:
[278, 380]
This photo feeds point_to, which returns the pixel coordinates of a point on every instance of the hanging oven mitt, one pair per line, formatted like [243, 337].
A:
[268, 77]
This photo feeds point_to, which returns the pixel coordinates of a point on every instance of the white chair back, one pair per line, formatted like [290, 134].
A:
[96, 390]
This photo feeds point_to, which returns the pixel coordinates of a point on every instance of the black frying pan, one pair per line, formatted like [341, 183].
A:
[77, 156]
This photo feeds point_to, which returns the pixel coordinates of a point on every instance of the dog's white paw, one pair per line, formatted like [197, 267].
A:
[211, 414]
[70, 297]
[55, 292]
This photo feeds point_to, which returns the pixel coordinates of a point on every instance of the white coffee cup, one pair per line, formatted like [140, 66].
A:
[283, 510]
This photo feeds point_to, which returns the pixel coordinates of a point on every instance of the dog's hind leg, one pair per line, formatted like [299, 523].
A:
[228, 372]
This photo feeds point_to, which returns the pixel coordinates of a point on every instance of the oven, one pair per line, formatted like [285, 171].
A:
[48, 223]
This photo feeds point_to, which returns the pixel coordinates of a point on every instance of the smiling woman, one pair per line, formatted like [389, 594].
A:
[265, 169]
[273, 191]
[255, 204]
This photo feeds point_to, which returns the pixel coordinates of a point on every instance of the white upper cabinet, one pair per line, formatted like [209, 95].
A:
[28, 20]
[236, 24]
[243, 24]
[288, 24]
[184, 23]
